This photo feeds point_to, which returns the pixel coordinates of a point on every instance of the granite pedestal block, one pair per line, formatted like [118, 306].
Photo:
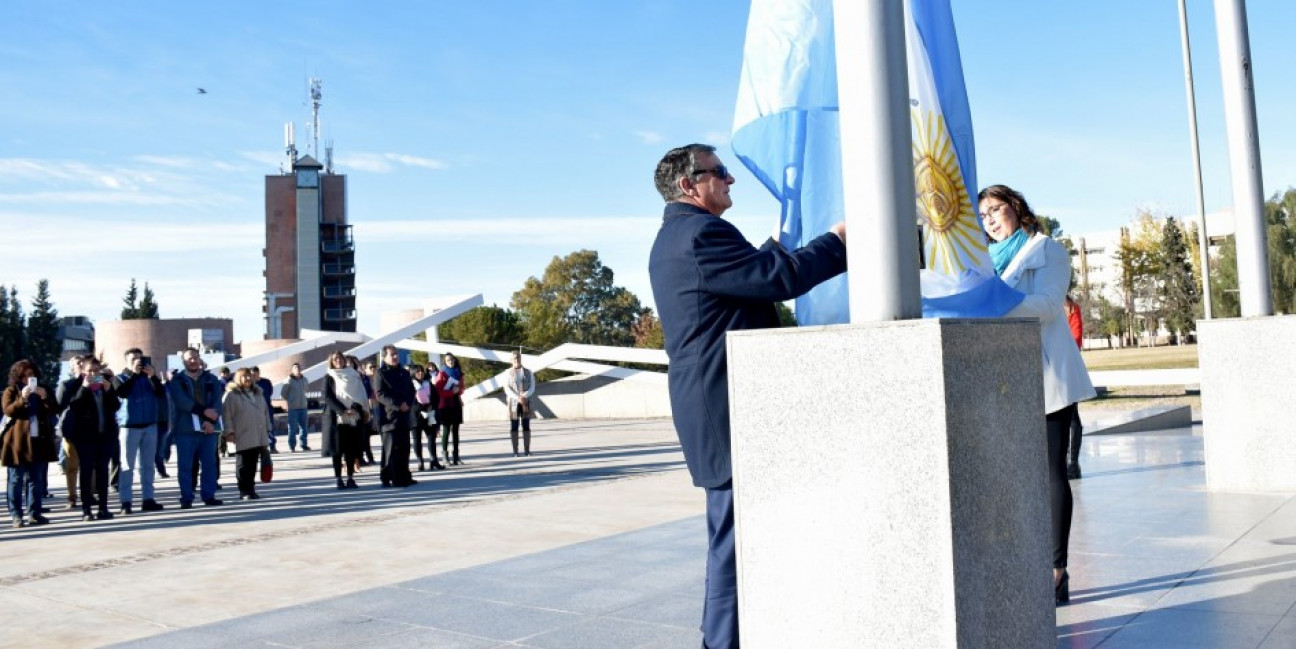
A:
[1248, 387]
[891, 486]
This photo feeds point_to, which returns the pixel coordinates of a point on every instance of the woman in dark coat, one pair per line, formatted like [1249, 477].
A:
[27, 403]
[345, 418]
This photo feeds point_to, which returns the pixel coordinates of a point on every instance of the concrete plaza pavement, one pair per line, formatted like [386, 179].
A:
[595, 542]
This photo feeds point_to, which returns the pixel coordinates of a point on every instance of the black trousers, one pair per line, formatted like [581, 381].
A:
[1058, 425]
[348, 449]
[424, 426]
[94, 458]
[526, 430]
[1077, 434]
[450, 439]
[395, 454]
[245, 465]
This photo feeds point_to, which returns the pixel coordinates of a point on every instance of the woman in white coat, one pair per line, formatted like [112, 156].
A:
[1035, 264]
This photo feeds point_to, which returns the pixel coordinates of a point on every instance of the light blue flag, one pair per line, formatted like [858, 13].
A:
[786, 132]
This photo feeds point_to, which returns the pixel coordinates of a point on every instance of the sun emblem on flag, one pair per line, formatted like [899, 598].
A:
[952, 237]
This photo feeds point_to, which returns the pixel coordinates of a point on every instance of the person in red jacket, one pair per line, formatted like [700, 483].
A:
[449, 385]
[1076, 321]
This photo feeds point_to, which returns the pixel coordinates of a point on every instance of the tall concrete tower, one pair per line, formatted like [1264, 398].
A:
[310, 253]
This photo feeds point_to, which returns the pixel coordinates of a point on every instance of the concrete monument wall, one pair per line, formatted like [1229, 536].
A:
[581, 397]
[1246, 386]
[891, 487]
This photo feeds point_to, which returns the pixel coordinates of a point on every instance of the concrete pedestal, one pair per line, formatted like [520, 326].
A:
[1248, 386]
[891, 486]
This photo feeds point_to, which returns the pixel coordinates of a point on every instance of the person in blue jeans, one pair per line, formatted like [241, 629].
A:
[293, 393]
[27, 442]
[138, 388]
[195, 402]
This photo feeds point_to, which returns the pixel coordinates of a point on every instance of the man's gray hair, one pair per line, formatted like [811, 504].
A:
[678, 163]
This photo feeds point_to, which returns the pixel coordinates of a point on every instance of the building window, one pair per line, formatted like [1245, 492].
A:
[307, 178]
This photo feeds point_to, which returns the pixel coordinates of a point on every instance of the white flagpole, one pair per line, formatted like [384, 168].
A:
[1203, 239]
[1244, 158]
[877, 160]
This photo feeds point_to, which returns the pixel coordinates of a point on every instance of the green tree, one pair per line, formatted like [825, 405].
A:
[1280, 220]
[648, 332]
[1049, 225]
[1224, 281]
[786, 317]
[131, 309]
[1139, 256]
[1053, 228]
[576, 301]
[484, 326]
[148, 308]
[1280, 217]
[43, 345]
[1112, 320]
[1178, 287]
[11, 329]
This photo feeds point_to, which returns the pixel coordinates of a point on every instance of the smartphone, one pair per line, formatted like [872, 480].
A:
[146, 361]
[31, 382]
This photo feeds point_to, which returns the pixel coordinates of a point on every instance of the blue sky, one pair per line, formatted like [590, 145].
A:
[481, 139]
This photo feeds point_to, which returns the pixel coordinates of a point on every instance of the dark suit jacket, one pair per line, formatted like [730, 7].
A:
[707, 280]
[395, 386]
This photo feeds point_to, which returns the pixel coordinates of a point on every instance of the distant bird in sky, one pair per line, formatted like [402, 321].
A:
[202, 91]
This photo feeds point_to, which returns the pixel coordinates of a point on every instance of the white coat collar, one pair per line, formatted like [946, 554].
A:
[1030, 257]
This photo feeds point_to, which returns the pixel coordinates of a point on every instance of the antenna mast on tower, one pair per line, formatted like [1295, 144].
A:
[290, 145]
[317, 96]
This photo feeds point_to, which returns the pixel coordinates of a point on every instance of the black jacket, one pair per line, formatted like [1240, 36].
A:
[87, 426]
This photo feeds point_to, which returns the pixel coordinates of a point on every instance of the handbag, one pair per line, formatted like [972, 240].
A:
[267, 466]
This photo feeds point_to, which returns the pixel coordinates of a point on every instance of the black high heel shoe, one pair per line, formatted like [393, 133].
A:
[1062, 591]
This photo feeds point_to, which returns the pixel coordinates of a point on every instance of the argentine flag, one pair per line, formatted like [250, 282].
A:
[786, 132]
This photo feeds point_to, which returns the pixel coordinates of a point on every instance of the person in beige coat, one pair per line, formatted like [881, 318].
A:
[1033, 263]
[243, 413]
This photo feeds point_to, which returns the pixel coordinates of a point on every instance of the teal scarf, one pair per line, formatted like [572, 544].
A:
[1002, 252]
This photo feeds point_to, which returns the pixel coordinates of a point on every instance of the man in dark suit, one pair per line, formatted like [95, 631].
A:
[707, 280]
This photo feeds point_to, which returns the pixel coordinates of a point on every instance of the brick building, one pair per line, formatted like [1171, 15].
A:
[310, 253]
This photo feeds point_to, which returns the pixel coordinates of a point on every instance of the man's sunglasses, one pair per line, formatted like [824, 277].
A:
[719, 170]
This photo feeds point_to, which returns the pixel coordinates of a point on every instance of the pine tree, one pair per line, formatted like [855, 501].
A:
[13, 325]
[1179, 294]
[43, 345]
[131, 310]
[7, 335]
[148, 308]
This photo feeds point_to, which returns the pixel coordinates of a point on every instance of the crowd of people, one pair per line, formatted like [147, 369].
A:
[119, 429]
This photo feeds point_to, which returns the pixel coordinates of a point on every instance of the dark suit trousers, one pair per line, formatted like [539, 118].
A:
[396, 453]
[720, 610]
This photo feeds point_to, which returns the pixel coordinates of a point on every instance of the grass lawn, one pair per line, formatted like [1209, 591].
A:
[1142, 358]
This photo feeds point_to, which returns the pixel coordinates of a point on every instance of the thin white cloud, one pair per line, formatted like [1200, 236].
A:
[187, 163]
[416, 161]
[648, 137]
[92, 198]
[75, 236]
[386, 162]
[265, 158]
[148, 181]
[537, 230]
[716, 138]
